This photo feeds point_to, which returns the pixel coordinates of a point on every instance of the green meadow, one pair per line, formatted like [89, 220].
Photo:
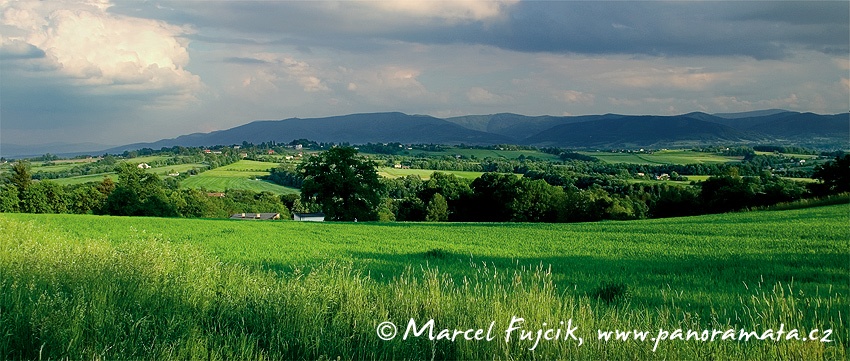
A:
[662, 157]
[86, 178]
[90, 287]
[240, 175]
[391, 173]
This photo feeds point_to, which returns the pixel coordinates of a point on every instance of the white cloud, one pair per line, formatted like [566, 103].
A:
[574, 96]
[273, 68]
[104, 52]
[478, 95]
[684, 78]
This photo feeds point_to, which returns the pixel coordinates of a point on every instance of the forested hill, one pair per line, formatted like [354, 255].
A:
[589, 131]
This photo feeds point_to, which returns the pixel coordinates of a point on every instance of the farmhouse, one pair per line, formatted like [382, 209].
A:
[308, 217]
[260, 216]
[143, 166]
[216, 194]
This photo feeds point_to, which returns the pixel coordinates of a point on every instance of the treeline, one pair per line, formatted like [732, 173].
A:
[585, 172]
[107, 163]
[137, 193]
[496, 197]
[561, 196]
[573, 191]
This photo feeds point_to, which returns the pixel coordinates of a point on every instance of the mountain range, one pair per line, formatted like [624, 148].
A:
[778, 127]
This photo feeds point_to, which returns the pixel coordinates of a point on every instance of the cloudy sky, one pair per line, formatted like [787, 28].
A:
[115, 73]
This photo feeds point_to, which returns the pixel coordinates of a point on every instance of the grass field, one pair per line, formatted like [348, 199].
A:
[691, 178]
[662, 157]
[389, 172]
[85, 178]
[791, 155]
[237, 176]
[161, 171]
[84, 287]
[147, 159]
[233, 176]
[179, 168]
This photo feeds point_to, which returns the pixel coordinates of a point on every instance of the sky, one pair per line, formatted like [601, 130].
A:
[116, 73]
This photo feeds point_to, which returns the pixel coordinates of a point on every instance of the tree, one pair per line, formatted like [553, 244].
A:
[410, 209]
[44, 197]
[345, 184]
[21, 176]
[386, 211]
[493, 195]
[85, 199]
[139, 193]
[835, 175]
[454, 189]
[537, 201]
[437, 210]
[9, 201]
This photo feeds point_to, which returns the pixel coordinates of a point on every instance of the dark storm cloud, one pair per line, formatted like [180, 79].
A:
[762, 30]
[657, 29]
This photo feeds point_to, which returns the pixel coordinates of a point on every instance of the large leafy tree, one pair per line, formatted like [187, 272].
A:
[139, 194]
[438, 209]
[493, 195]
[344, 184]
[21, 176]
[835, 175]
[9, 201]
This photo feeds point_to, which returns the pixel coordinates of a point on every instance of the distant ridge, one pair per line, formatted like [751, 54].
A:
[639, 131]
[755, 113]
[589, 131]
[353, 128]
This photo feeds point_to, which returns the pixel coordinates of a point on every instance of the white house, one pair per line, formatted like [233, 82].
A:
[308, 217]
[262, 216]
[144, 166]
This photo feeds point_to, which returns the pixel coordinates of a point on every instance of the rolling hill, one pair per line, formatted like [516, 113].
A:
[354, 128]
[638, 131]
[589, 131]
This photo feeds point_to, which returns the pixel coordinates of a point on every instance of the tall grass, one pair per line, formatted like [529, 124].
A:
[146, 297]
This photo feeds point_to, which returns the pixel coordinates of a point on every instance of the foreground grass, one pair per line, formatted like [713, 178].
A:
[108, 287]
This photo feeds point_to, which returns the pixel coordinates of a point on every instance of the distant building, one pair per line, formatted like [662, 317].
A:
[256, 216]
[308, 217]
[143, 166]
[216, 194]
